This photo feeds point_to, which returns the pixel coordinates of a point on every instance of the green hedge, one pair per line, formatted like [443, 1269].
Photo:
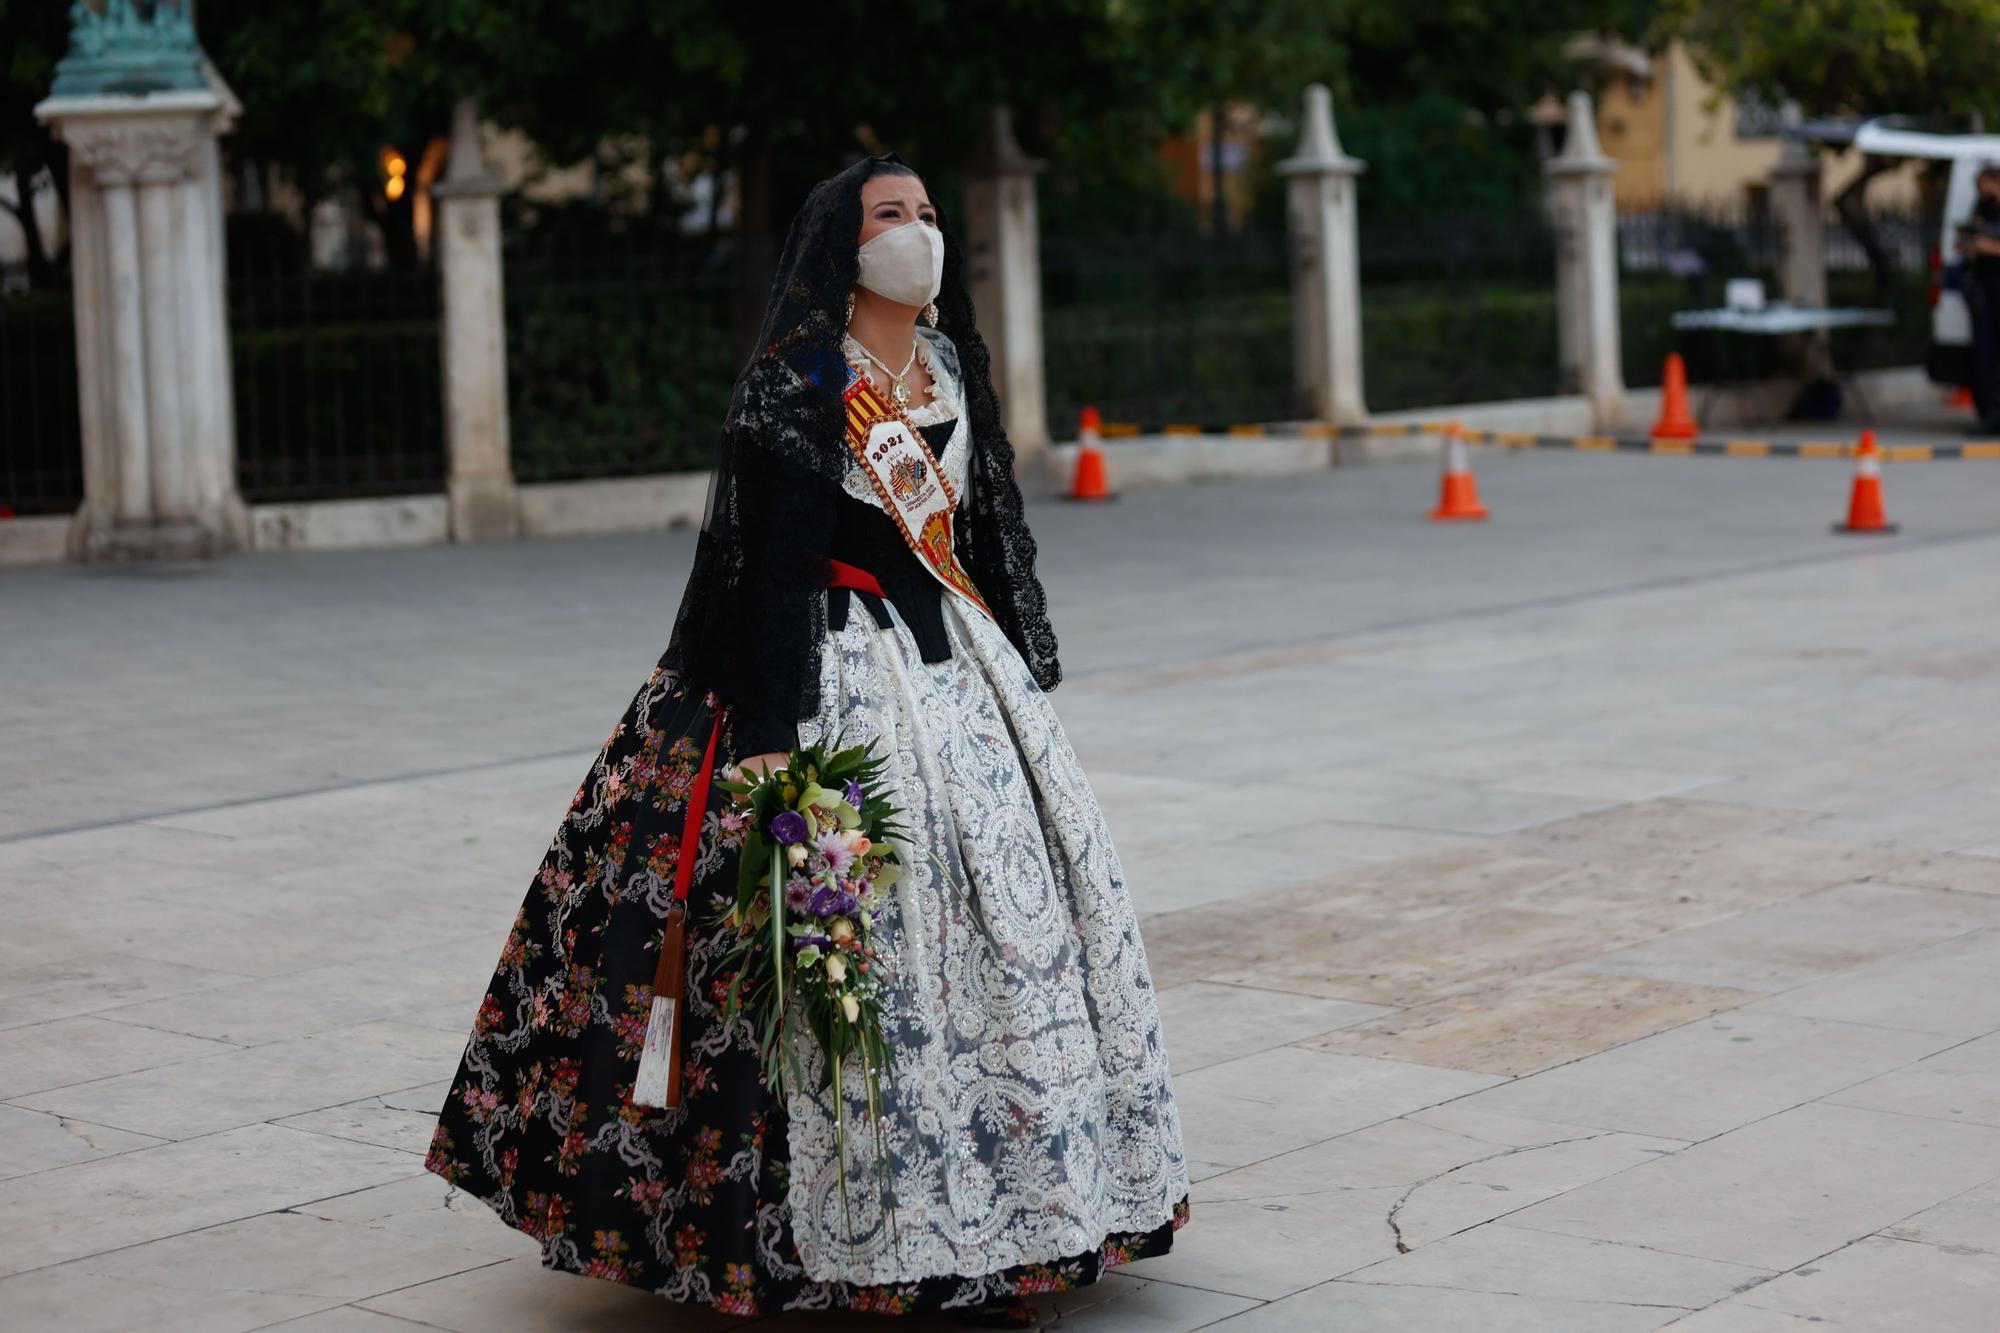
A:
[331, 410]
[612, 379]
[41, 444]
[1230, 359]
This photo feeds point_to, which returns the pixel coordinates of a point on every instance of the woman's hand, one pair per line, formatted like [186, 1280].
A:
[760, 765]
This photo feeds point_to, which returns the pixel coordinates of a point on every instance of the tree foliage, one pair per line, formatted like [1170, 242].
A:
[33, 36]
[783, 96]
[1849, 57]
[1858, 58]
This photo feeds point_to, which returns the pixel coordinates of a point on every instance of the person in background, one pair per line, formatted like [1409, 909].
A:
[1979, 241]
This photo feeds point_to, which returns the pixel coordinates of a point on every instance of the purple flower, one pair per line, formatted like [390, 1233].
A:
[788, 826]
[797, 892]
[810, 938]
[853, 793]
[831, 902]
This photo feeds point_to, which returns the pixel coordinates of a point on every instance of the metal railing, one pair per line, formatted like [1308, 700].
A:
[619, 350]
[339, 391]
[41, 442]
[1682, 257]
[1457, 309]
[1176, 327]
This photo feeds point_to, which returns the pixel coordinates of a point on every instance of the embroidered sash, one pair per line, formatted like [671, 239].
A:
[912, 485]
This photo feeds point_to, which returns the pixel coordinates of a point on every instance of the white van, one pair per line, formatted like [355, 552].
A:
[1949, 360]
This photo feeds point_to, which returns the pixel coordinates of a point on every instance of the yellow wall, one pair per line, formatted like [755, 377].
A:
[1670, 144]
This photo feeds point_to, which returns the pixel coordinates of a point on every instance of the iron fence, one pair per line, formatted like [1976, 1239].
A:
[1168, 327]
[41, 442]
[619, 350]
[1682, 257]
[339, 390]
[1457, 309]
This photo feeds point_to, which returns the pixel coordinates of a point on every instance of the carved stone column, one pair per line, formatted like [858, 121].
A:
[141, 112]
[1326, 268]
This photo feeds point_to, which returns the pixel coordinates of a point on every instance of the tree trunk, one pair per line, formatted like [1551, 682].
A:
[1851, 203]
[41, 269]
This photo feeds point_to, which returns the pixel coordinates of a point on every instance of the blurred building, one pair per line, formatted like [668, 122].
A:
[1675, 138]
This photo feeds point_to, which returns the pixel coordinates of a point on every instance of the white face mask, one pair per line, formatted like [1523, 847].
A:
[904, 264]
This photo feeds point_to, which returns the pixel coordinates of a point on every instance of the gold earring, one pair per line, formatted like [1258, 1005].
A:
[850, 308]
[931, 314]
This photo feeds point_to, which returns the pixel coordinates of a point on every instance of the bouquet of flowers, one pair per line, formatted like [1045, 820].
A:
[815, 863]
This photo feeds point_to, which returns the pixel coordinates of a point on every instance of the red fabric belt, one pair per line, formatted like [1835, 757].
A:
[840, 574]
[697, 808]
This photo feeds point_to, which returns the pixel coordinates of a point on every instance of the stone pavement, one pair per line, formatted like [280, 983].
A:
[1585, 921]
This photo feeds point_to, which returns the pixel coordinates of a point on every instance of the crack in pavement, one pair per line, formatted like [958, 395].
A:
[1396, 1208]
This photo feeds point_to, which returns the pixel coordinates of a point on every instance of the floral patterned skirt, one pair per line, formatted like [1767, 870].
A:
[689, 1203]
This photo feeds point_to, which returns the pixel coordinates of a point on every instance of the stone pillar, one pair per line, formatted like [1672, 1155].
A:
[1326, 273]
[153, 369]
[1586, 226]
[1004, 272]
[1795, 211]
[484, 502]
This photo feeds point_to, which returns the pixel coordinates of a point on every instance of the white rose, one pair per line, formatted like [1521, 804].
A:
[851, 1007]
[836, 967]
[842, 929]
[796, 853]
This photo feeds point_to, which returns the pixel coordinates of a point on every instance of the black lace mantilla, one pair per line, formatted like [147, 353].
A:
[754, 615]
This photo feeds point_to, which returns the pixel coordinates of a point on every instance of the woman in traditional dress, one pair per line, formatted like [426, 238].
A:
[1031, 1130]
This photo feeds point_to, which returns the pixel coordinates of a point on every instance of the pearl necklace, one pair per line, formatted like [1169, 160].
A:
[899, 392]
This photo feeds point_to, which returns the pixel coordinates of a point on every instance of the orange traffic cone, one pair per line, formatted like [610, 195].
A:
[1676, 422]
[1089, 483]
[1458, 489]
[1864, 506]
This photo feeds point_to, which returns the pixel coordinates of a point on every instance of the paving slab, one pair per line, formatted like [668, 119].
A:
[38, 1057]
[427, 1208]
[1968, 1221]
[1875, 1285]
[1207, 1024]
[72, 1212]
[227, 1279]
[1807, 938]
[267, 1082]
[1780, 1192]
[1318, 1212]
[522, 1296]
[1516, 1261]
[1598, 900]
[1961, 1083]
[1246, 1110]
[1531, 1023]
[1942, 988]
[32, 1141]
[1360, 1305]
[1713, 1075]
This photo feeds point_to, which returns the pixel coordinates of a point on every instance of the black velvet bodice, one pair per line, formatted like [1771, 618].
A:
[863, 535]
[867, 537]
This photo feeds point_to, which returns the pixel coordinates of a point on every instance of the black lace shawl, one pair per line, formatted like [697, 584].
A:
[753, 617]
